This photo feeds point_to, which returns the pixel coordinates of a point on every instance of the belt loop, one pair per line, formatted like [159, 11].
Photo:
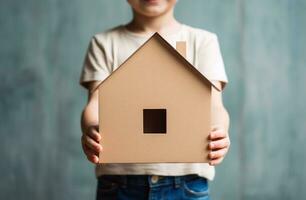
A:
[177, 181]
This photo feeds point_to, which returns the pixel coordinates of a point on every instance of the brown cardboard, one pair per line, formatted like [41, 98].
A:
[181, 48]
[155, 82]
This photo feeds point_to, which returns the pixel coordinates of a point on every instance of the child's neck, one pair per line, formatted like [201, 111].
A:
[164, 24]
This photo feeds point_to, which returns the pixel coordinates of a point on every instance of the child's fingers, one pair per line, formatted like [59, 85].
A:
[91, 155]
[219, 144]
[88, 151]
[92, 144]
[94, 159]
[216, 161]
[218, 134]
[94, 134]
[217, 154]
[215, 127]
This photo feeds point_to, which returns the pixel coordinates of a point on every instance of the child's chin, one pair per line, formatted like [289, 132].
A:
[153, 11]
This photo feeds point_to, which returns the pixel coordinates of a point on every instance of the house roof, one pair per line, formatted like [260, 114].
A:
[176, 53]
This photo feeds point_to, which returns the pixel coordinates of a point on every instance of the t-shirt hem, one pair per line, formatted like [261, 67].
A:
[206, 173]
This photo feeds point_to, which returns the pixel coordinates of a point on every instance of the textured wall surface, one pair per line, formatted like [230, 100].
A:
[42, 47]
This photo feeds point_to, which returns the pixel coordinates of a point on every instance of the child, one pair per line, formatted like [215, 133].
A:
[106, 52]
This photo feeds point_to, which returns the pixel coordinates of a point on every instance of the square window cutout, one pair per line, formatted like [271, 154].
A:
[154, 120]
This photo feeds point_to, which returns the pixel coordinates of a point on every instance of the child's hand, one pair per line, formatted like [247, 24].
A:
[219, 145]
[90, 144]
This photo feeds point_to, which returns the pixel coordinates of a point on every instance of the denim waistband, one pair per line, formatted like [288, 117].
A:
[148, 180]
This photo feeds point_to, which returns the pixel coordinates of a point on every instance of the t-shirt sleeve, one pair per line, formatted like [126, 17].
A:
[96, 65]
[210, 61]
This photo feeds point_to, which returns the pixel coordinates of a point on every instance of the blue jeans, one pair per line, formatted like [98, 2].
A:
[152, 187]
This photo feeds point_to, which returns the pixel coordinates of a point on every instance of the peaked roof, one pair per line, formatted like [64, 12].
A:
[171, 48]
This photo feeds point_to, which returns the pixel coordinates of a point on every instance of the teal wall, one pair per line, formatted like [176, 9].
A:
[42, 47]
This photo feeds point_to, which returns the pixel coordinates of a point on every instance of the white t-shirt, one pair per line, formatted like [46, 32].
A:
[108, 50]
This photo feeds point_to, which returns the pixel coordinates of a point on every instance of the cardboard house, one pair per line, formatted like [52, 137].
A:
[155, 108]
